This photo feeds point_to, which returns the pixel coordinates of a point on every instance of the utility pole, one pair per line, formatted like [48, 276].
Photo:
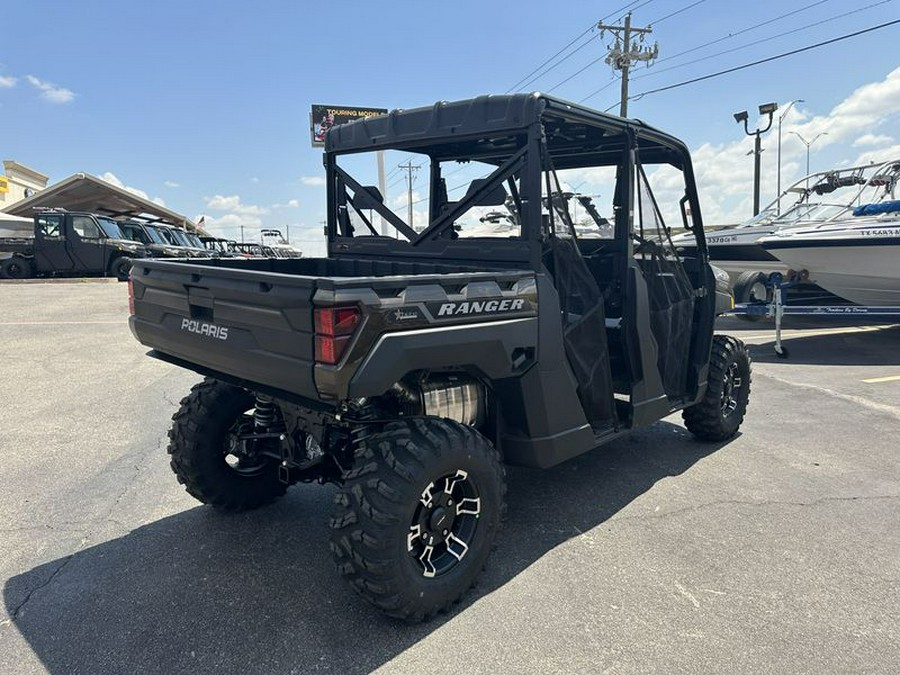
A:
[624, 51]
[410, 168]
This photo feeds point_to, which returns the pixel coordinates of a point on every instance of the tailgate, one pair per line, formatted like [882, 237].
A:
[249, 324]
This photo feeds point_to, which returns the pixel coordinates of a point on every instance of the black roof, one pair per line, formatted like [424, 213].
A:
[491, 126]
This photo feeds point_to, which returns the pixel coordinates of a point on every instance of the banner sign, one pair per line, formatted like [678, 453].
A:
[323, 117]
[4, 184]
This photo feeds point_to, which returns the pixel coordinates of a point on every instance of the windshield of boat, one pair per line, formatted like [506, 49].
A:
[762, 218]
[800, 213]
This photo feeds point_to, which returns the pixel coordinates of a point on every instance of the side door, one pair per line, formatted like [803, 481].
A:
[50, 243]
[87, 245]
[671, 299]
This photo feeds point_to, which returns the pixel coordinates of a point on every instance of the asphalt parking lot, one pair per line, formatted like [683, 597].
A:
[776, 552]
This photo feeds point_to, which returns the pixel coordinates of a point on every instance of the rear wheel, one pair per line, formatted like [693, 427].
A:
[417, 516]
[209, 458]
[16, 267]
[719, 415]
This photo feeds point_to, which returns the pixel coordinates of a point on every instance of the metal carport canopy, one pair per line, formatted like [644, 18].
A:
[84, 192]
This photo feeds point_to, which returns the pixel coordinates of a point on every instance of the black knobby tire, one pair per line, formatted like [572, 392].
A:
[750, 288]
[201, 443]
[16, 267]
[719, 415]
[120, 268]
[376, 514]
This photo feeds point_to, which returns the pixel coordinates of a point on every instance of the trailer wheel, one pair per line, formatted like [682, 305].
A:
[207, 457]
[121, 268]
[417, 516]
[16, 267]
[750, 287]
[719, 415]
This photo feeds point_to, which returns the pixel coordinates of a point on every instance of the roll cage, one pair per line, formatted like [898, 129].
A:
[525, 139]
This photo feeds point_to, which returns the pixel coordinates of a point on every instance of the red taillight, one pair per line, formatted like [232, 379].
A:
[130, 297]
[334, 329]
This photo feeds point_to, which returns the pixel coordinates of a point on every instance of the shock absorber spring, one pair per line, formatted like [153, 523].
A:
[264, 412]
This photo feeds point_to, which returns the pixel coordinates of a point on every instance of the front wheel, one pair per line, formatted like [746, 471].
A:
[719, 415]
[209, 457]
[417, 516]
[120, 268]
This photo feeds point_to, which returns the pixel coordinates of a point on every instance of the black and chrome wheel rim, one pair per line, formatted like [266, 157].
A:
[444, 524]
[731, 389]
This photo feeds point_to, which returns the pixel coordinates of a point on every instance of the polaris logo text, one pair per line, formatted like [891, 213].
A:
[480, 306]
[203, 328]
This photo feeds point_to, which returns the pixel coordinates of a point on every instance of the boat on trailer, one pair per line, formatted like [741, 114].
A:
[855, 259]
[820, 199]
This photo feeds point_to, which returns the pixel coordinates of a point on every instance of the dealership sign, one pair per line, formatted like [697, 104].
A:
[323, 117]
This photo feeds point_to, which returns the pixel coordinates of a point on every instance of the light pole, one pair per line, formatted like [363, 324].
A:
[808, 145]
[780, 118]
[764, 109]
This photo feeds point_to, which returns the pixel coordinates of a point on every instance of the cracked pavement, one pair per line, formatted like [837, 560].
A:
[778, 551]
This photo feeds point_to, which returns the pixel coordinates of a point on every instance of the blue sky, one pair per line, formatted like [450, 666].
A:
[204, 104]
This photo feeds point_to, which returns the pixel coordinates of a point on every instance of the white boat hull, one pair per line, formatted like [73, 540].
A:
[858, 263]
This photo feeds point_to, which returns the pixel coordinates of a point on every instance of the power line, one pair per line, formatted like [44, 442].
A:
[581, 35]
[766, 60]
[742, 31]
[762, 40]
[577, 72]
[675, 13]
[597, 91]
[558, 63]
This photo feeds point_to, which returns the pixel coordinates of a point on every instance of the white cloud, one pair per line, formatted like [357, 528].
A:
[254, 179]
[51, 92]
[232, 204]
[113, 179]
[291, 204]
[171, 184]
[7, 81]
[873, 139]
[313, 180]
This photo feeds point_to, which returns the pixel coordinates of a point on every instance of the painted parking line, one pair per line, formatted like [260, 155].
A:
[876, 380]
[787, 333]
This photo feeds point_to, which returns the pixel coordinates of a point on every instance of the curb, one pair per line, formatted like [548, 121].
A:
[70, 280]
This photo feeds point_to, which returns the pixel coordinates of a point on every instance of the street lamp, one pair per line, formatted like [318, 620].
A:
[764, 109]
[780, 118]
[808, 145]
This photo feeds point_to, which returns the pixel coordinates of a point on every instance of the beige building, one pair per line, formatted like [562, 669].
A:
[19, 182]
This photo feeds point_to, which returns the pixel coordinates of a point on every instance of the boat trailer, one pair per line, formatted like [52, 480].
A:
[778, 309]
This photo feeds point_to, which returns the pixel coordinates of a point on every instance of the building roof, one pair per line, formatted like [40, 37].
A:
[84, 192]
[14, 168]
